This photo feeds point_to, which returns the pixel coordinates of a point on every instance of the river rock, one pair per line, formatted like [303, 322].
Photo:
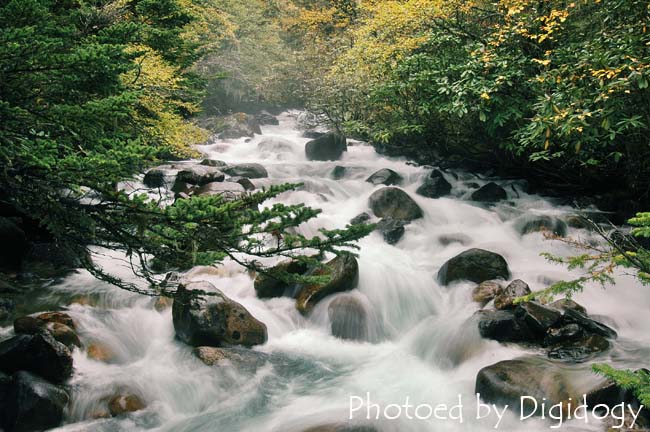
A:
[213, 163]
[268, 286]
[505, 382]
[32, 404]
[360, 219]
[504, 326]
[57, 317]
[199, 175]
[589, 325]
[239, 358]
[348, 318]
[329, 147]
[537, 317]
[275, 145]
[532, 224]
[392, 230]
[435, 186]
[312, 134]
[154, 178]
[99, 352]
[565, 303]
[61, 332]
[39, 353]
[506, 298]
[476, 265]
[490, 193]
[125, 403]
[385, 176]
[248, 170]
[162, 303]
[392, 202]
[266, 118]
[229, 191]
[447, 239]
[217, 322]
[486, 291]
[580, 350]
[246, 183]
[344, 276]
[239, 125]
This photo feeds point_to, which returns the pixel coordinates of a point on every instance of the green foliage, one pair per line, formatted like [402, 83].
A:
[90, 94]
[638, 381]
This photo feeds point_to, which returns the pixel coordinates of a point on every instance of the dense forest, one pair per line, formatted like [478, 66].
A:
[95, 93]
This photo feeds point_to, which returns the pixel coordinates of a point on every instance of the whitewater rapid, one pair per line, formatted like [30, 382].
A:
[423, 346]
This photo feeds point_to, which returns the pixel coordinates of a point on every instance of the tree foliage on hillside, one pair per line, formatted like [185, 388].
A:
[560, 88]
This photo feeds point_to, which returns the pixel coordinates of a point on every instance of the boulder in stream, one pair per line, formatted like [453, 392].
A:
[343, 272]
[125, 403]
[61, 332]
[213, 320]
[328, 147]
[542, 223]
[490, 193]
[348, 318]
[154, 178]
[506, 298]
[32, 404]
[234, 126]
[434, 186]
[270, 286]
[248, 170]
[392, 230]
[213, 163]
[476, 265]
[386, 177]
[486, 291]
[40, 354]
[199, 175]
[266, 118]
[392, 202]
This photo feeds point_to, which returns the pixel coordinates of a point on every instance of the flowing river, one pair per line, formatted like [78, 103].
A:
[423, 344]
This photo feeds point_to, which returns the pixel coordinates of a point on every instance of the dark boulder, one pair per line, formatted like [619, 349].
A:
[348, 318]
[476, 265]
[564, 304]
[213, 163]
[506, 298]
[154, 178]
[392, 230]
[243, 181]
[580, 350]
[340, 172]
[199, 175]
[61, 332]
[504, 326]
[447, 239]
[239, 358]
[248, 170]
[57, 317]
[270, 285]
[214, 320]
[343, 273]
[266, 118]
[572, 316]
[391, 202]
[490, 193]
[329, 147]
[532, 224]
[360, 219]
[33, 404]
[537, 317]
[39, 353]
[435, 186]
[386, 177]
[563, 334]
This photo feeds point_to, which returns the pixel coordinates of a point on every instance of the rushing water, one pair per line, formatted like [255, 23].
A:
[423, 345]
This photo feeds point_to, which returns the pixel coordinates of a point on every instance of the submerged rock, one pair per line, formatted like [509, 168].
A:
[360, 219]
[125, 403]
[392, 202]
[32, 404]
[490, 193]
[328, 147]
[40, 354]
[248, 170]
[386, 177]
[239, 358]
[348, 318]
[476, 265]
[343, 272]
[506, 298]
[266, 118]
[100, 352]
[532, 224]
[214, 320]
